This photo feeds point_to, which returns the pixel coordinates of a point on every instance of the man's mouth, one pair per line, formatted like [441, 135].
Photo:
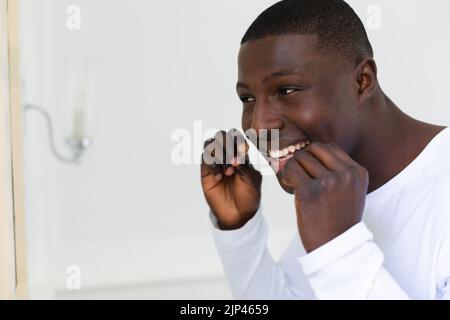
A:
[279, 158]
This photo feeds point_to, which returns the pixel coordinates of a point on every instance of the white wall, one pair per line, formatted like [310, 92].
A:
[135, 223]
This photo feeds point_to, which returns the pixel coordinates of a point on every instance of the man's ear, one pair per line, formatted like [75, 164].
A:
[366, 76]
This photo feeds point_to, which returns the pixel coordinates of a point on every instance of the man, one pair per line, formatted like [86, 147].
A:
[370, 184]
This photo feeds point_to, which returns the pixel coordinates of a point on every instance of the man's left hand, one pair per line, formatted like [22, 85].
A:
[330, 190]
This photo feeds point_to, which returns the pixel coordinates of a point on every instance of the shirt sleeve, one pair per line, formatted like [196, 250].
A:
[443, 269]
[251, 271]
[332, 273]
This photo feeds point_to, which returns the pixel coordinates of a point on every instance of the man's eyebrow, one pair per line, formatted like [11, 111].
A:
[274, 75]
[281, 73]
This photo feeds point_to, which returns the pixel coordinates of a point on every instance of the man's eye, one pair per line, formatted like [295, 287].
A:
[246, 99]
[286, 91]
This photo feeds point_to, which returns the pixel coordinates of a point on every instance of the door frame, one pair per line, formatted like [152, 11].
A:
[13, 271]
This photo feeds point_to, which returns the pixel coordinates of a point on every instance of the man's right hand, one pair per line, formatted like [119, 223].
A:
[232, 187]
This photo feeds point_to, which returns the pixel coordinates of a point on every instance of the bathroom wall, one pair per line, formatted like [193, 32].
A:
[132, 222]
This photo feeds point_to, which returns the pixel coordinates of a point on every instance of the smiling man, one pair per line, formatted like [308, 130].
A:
[370, 183]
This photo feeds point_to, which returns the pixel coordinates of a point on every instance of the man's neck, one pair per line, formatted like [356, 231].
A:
[390, 142]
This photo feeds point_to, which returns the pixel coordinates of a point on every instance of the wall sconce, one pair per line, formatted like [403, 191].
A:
[76, 144]
[78, 108]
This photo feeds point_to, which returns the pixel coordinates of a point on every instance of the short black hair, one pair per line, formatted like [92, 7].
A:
[337, 26]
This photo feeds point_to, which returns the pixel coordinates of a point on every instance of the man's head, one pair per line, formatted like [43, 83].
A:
[306, 68]
[339, 29]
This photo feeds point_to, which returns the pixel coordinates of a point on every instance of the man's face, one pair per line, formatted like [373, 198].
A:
[287, 84]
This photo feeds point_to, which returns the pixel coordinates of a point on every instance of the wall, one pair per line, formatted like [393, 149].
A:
[135, 223]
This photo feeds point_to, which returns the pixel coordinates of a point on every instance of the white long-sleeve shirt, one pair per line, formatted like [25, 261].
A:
[401, 249]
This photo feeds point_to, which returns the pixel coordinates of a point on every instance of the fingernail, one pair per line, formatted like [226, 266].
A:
[229, 171]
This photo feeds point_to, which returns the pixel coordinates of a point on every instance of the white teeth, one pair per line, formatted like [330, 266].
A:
[276, 154]
[291, 149]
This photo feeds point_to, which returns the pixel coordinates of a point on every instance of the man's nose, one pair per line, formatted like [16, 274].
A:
[265, 116]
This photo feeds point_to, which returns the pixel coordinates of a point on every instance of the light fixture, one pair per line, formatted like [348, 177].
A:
[77, 144]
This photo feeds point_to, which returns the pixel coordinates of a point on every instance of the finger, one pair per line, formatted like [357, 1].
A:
[242, 158]
[229, 171]
[233, 150]
[238, 148]
[225, 148]
[225, 152]
[218, 155]
[326, 156]
[341, 154]
[208, 142]
[311, 164]
[209, 180]
[209, 164]
[214, 170]
[295, 176]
